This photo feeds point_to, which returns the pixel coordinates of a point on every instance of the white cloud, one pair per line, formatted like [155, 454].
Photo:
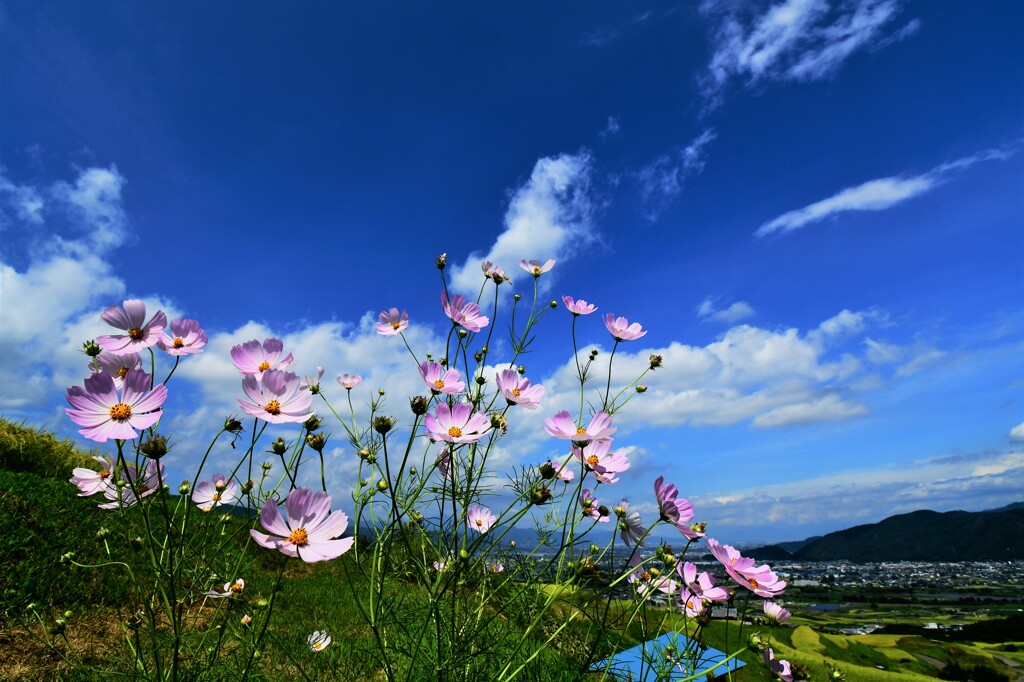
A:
[26, 201]
[662, 180]
[814, 505]
[1017, 433]
[95, 201]
[740, 310]
[875, 195]
[611, 129]
[799, 40]
[550, 216]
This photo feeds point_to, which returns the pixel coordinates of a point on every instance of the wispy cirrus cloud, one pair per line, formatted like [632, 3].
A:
[739, 310]
[549, 216]
[662, 180]
[878, 194]
[795, 40]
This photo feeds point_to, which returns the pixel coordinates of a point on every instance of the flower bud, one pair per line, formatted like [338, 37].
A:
[184, 488]
[521, 369]
[655, 361]
[246, 620]
[641, 388]
[248, 486]
[232, 425]
[67, 556]
[441, 261]
[91, 348]
[512, 544]
[517, 297]
[383, 424]
[540, 494]
[547, 470]
[463, 553]
[699, 526]
[498, 278]
[267, 466]
[462, 333]
[135, 542]
[58, 626]
[755, 641]
[68, 614]
[602, 510]
[102, 533]
[380, 392]
[364, 454]
[553, 304]
[312, 424]
[279, 447]
[478, 356]
[317, 441]
[382, 485]
[418, 405]
[481, 380]
[594, 549]
[262, 604]
[154, 447]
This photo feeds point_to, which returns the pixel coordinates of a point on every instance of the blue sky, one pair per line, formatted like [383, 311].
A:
[815, 209]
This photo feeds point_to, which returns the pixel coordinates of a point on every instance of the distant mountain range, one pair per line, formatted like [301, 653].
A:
[993, 535]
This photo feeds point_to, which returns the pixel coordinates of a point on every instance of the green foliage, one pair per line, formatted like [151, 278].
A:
[23, 448]
[40, 520]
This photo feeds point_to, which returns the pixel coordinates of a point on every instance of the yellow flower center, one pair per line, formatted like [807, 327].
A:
[178, 342]
[273, 407]
[455, 432]
[120, 412]
[753, 583]
[593, 460]
[580, 431]
[122, 372]
[479, 522]
[645, 576]
[237, 588]
[264, 366]
[439, 384]
[104, 474]
[536, 272]
[216, 497]
[515, 392]
[318, 646]
[135, 334]
[299, 537]
[394, 325]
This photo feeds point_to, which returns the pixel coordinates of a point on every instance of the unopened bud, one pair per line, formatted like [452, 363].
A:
[481, 380]
[521, 369]
[67, 556]
[553, 304]
[154, 447]
[463, 553]
[364, 454]
[246, 620]
[547, 470]
[418, 405]
[602, 510]
[642, 388]
[478, 356]
[594, 549]
[103, 532]
[380, 392]
[441, 261]
[262, 604]
[279, 447]
[540, 494]
[517, 297]
[462, 333]
[248, 486]
[699, 527]
[755, 641]
[382, 485]
[267, 466]
[317, 441]
[383, 424]
[312, 424]
[135, 542]
[184, 488]
[91, 348]
[232, 425]
[655, 361]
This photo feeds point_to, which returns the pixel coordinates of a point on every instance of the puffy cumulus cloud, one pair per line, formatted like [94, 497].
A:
[549, 216]
[816, 505]
[1017, 433]
[876, 195]
[793, 40]
[768, 377]
[740, 310]
[26, 202]
[662, 180]
[95, 202]
[44, 308]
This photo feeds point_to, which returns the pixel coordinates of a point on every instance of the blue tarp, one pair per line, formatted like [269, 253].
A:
[644, 662]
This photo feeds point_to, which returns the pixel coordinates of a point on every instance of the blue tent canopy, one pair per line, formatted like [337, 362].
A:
[644, 662]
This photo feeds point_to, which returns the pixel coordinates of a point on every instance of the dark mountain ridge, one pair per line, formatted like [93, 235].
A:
[995, 535]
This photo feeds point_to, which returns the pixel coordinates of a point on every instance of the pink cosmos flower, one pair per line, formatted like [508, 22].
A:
[597, 457]
[392, 323]
[780, 667]
[760, 580]
[117, 366]
[105, 414]
[313, 382]
[457, 424]
[480, 518]
[152, 477]
[230, 590]
[631, 528]
[689, 603]
[677, 512]
[591, 506]
[517, 389]
[276, 397]
[463, 313]
[221, 491]
[621, 329]
[318, 640]
[312, 531]
[186, 338]
[775, 614]
[495, 567]
[701, 586]
[535, 267]
[494, 272]
[563, 426]
[90, 482]
[349, 381]
[440, 380]
[131, 318]
[254, 358]
[579, 307]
